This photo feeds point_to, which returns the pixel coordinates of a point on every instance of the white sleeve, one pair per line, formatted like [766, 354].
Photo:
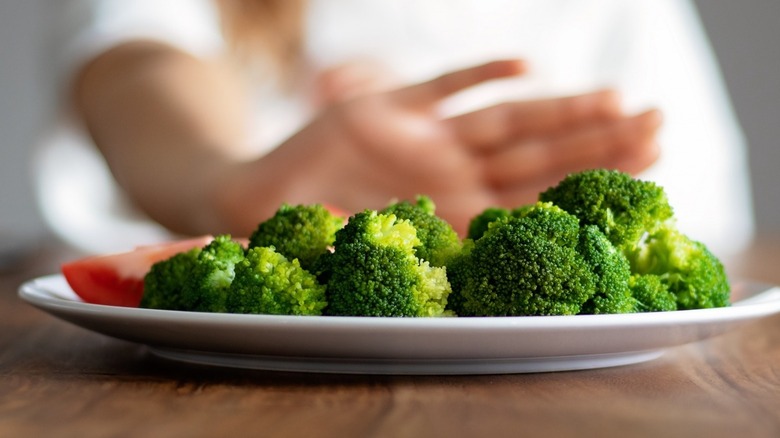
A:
[85, 28]
[77, 194]
[668, 63]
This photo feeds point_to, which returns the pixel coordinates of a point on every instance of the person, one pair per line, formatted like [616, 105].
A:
[210, 115]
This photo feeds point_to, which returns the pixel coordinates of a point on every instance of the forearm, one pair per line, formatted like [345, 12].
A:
[169, 126]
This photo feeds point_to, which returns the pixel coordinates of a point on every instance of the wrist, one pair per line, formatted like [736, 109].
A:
[243, 194]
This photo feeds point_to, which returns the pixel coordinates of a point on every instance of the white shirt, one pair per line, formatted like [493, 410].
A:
[653, 51]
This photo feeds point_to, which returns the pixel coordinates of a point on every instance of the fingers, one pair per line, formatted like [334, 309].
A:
[431, 92]
[601, 145]
[638, 161]
[492, 127]
[352, 79]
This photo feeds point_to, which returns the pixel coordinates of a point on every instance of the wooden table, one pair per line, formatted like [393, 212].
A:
[60, 380]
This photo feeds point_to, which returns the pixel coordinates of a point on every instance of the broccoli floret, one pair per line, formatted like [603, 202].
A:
[624, 208]
[612, 273]
[690, 271]
[439, 242]
[374, 271]
[637, 218]
[165, 281]
[480, 223]
[196, 280]
[267, 282]
[651, 294]
[209, 279]
[301, 231]
[533, 265]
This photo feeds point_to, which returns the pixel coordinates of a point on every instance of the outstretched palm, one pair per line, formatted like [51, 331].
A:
[365, 151]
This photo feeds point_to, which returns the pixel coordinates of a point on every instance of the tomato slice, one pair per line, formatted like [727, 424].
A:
[118, 279]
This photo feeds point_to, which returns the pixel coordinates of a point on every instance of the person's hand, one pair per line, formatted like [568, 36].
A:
[365, 151]
[352, 79]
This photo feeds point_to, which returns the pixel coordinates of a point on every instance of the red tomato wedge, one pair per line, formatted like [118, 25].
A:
[118, 279]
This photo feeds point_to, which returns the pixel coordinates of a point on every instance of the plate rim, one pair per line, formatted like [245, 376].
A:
[33, 292]
[629, 338]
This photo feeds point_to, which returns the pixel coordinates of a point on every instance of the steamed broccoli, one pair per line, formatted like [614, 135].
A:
[637, 218]
[165, 281]
[624, 208]
[612, 270]
[196, 280]
[598, 242]
[439, 242]
[479, 224]
[374, 271]
[211, 275]
[539, 263]
[651, 294]
[301, 231]
[267, 282]
[688, 269]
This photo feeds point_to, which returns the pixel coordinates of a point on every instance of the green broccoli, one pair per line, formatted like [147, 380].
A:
[211, 275]
[196, 280]
[301, 231]
[651, 294]
[637, 218]
[538, 263]
[439, 242]
[374, 271]
[267, 282]
[165, 281]
[480, 223]
[689, 270]
[624, 208]
[598, 242]
[612, 270]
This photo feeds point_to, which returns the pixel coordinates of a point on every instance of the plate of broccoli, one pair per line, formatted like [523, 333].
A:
[593, 274]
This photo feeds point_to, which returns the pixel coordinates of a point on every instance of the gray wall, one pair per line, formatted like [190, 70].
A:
[23, 107]
[746, 39]
[745, 36]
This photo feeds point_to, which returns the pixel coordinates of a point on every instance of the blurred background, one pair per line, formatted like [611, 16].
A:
[744, 36]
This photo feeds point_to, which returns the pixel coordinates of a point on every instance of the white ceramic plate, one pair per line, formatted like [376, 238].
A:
[404, 345]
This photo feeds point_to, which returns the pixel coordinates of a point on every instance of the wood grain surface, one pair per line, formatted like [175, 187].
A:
[60, 380]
